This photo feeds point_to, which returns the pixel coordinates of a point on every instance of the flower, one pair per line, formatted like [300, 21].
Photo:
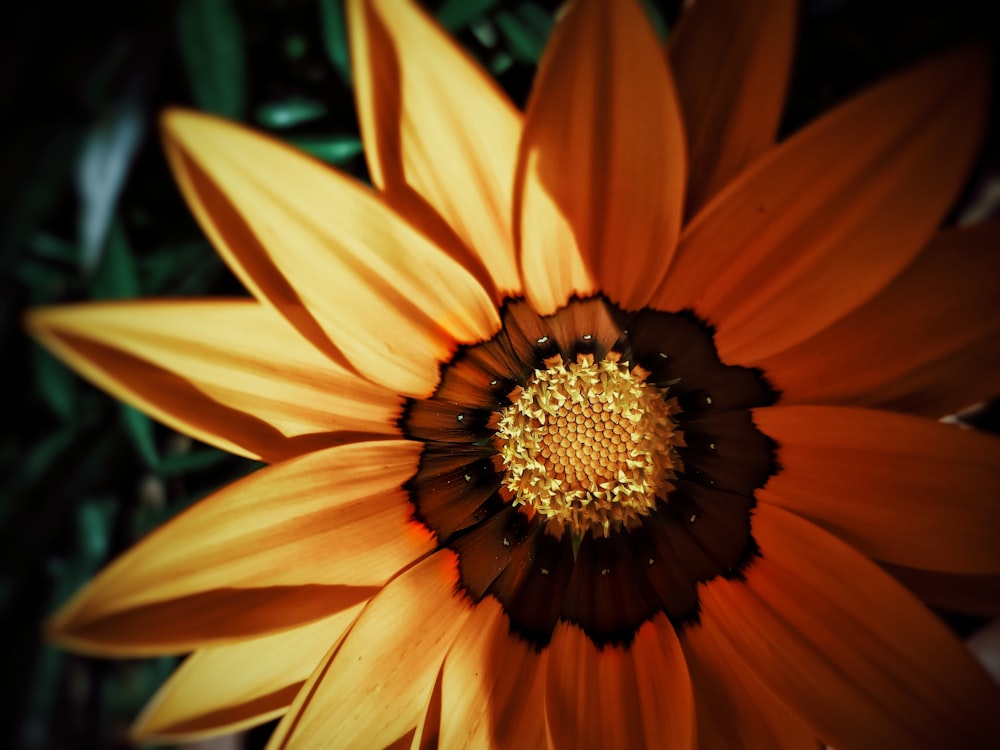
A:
[560, 456]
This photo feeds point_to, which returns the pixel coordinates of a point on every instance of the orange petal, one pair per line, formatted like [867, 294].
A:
[438, 129]
[848, 649]
[732, 709]
[376, 686]
[602, 163]
[492, 686]
[327, 253]
[667, 698]
[977, 595]
[232, 373]
[824, 221]
[619, 697]
[228, 688]
[927, 344]
[731, 79]
[903, 489]
[426, 734]
[287, 545]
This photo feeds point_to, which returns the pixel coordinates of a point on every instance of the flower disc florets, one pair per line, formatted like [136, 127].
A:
[588, 443]
[594, 466]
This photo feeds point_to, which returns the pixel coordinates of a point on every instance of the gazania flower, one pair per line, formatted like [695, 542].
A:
[596, 426]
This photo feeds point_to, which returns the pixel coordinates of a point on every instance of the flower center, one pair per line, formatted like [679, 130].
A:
[595, 467]
[589, 444]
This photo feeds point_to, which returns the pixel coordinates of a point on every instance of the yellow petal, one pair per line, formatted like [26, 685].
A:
[602, 158]
[492, 685]
[300, 235]
[551, 265]
[287, 545]
[227, 688]
[731, 78]
[426, 734]
[376, 687]
[232, 373]
[438, 129]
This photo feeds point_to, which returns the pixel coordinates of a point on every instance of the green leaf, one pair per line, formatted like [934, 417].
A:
[182, 269]
[105, 159]
[42, 458]
[535, 18]
[525, 40]
[173, 263]
[43, 160]
[335, 149]
[457, 14]
[331, 14]
[214, 55]
[140, 428]
[131, 687]
[296, 46]
[43, 280]
[93, 455]
[199, 277]
[196, 460]
[52, 248]
[116, 276]
[485, 33]
[94, 519]
[55, 383]
[500, 62]
[656, 18]
[43, 692]
[289, 113]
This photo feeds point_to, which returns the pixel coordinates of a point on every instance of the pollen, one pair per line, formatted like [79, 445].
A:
[589, 444]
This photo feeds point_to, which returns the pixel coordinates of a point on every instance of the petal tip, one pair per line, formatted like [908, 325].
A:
[173, 119]
[36, 321]
[49, 319]
[180, 126]
[58, 630]
[149, 725]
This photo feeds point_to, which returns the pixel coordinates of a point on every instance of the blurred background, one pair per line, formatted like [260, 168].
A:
[88, 210]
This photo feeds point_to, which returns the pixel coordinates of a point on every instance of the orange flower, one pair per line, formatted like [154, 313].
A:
[558, 458]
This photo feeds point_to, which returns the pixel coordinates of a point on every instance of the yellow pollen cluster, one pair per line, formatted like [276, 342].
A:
[588, 443]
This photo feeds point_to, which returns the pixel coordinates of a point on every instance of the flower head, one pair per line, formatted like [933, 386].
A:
[588, 426]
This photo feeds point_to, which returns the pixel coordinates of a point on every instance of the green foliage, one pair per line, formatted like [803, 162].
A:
[102, 167]
[289, 113]
[525, 31]
[140, 429]
[335, 37]
[656, 16]
[55, 383]
[335, 149]
[116, 277]
[456, 14]
[213, 50]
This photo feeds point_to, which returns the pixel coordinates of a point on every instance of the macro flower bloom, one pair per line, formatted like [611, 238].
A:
[608, 424]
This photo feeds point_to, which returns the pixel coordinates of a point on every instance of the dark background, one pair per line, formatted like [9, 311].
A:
[88, 210]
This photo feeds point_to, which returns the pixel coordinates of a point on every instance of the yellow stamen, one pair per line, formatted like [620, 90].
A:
[589, 444]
